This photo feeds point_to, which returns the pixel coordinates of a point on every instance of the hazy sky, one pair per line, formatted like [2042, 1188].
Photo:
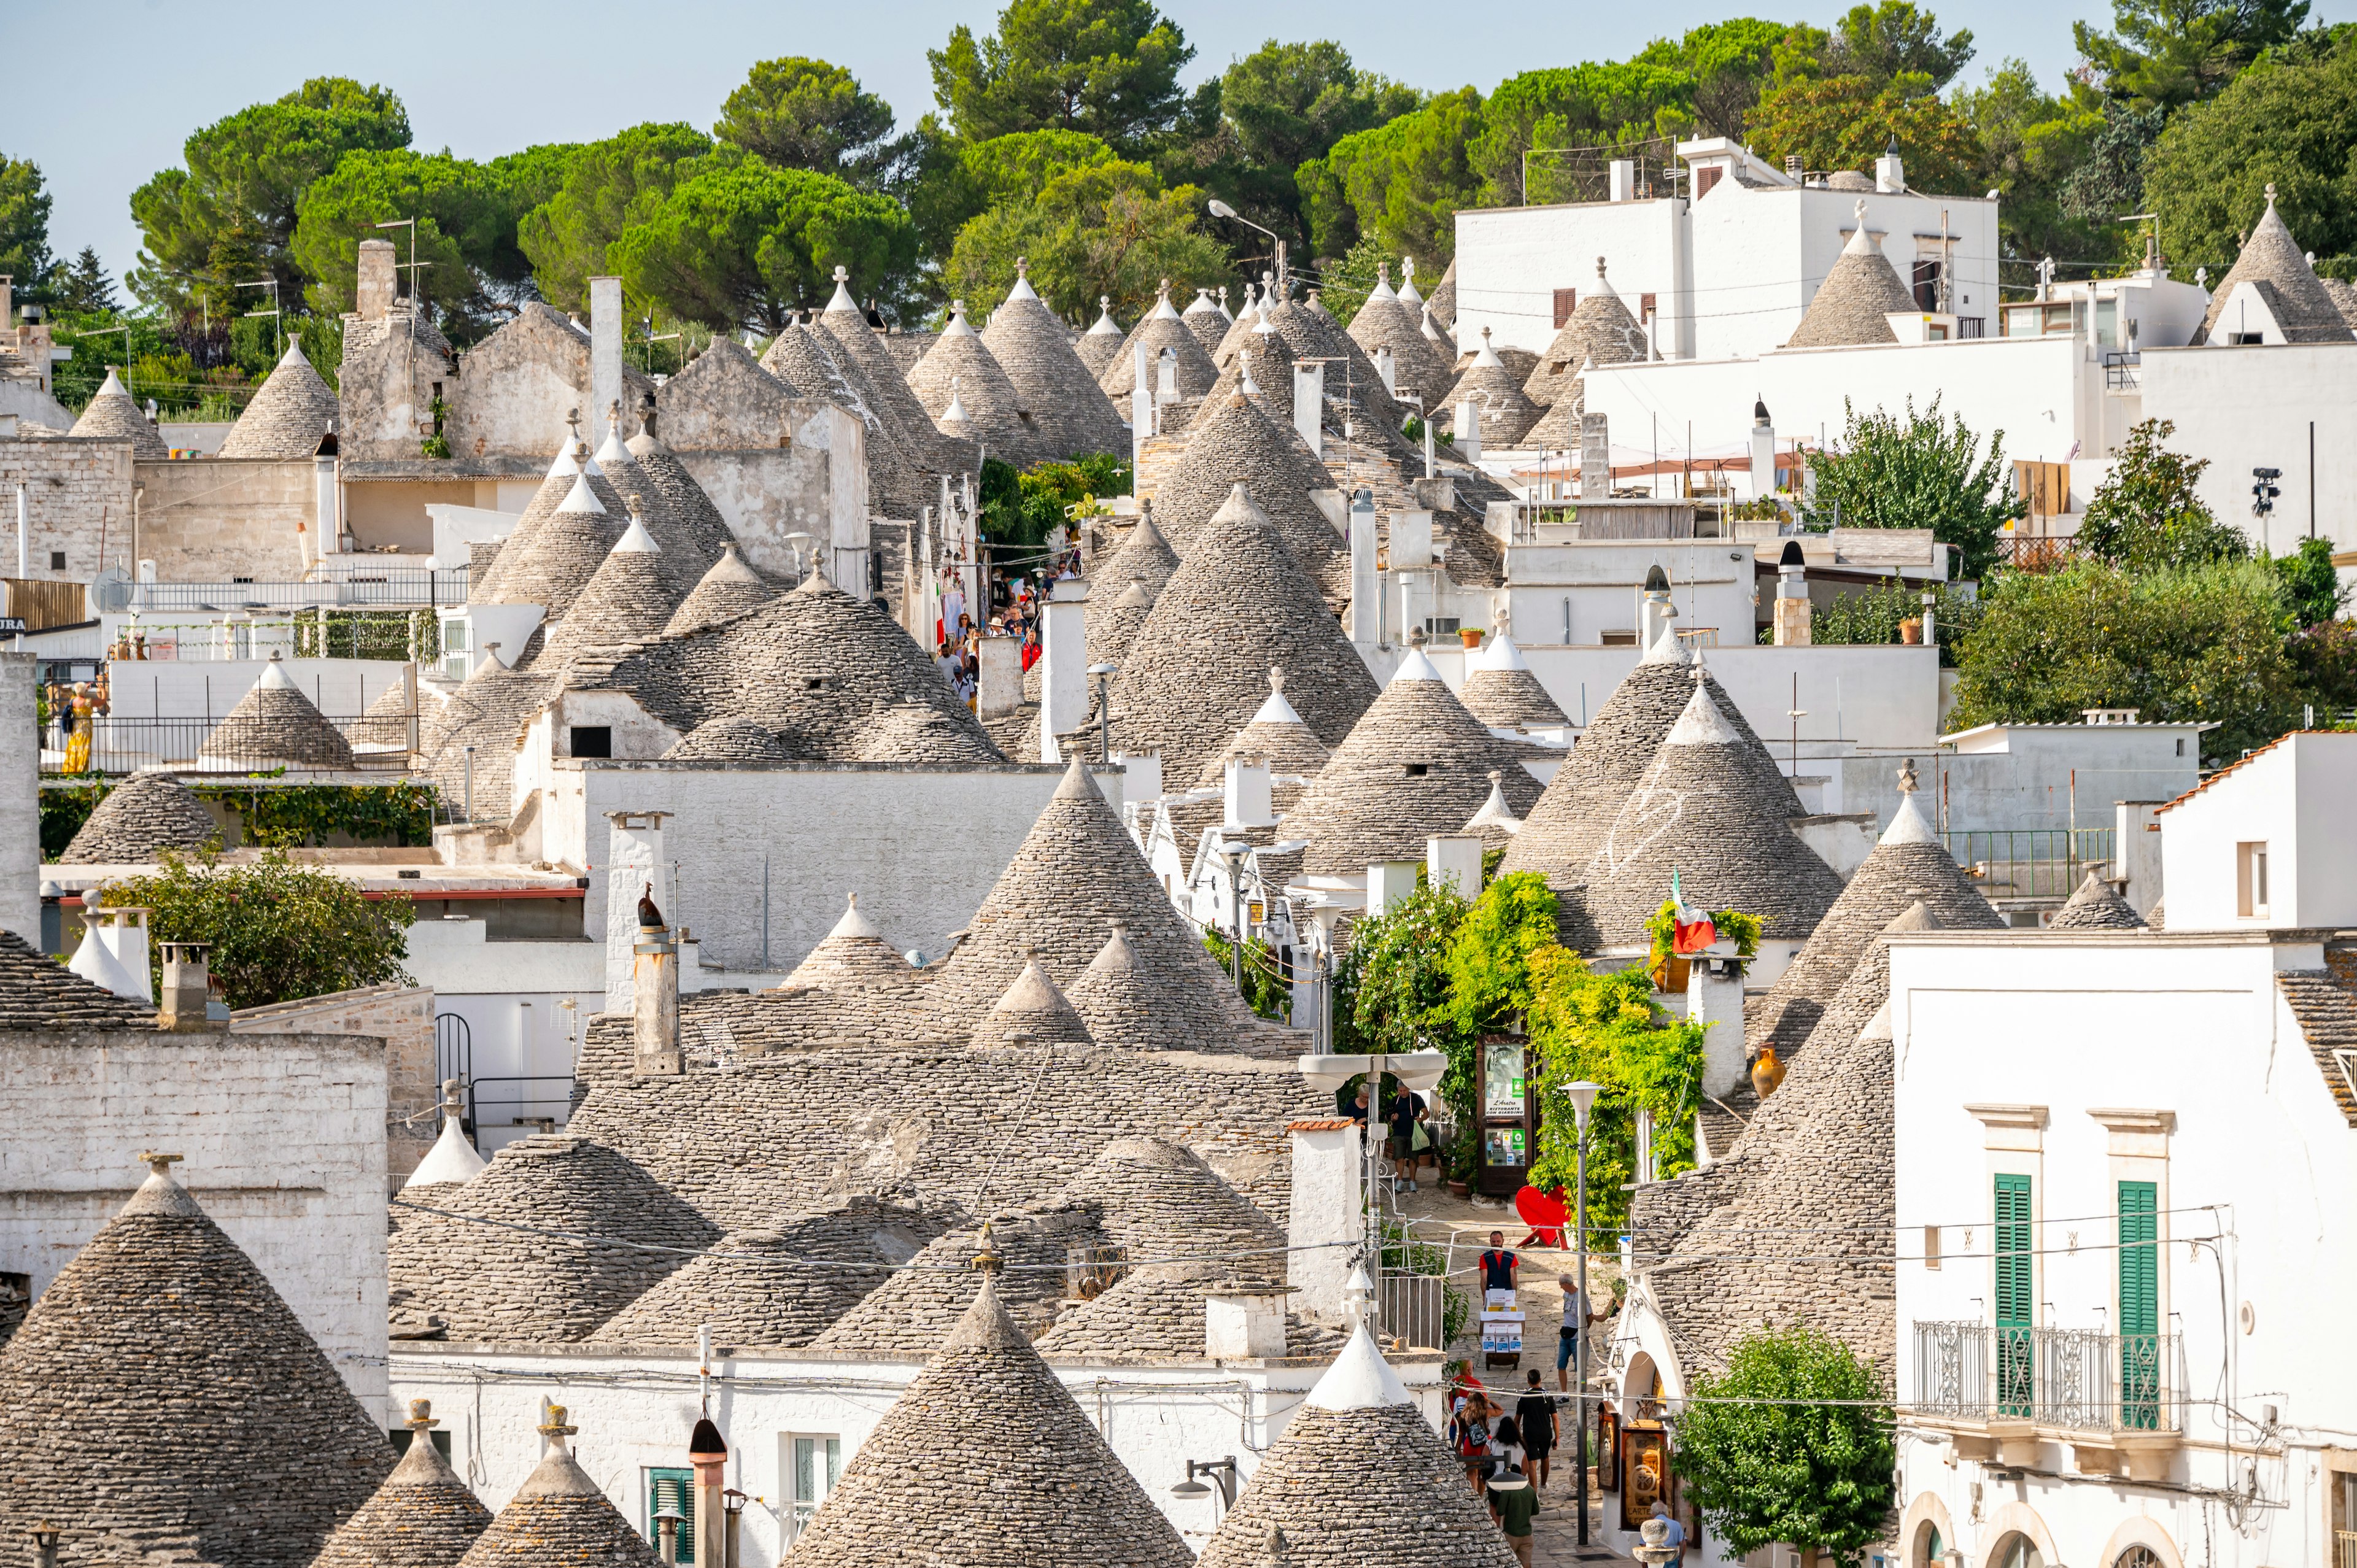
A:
[495, 75]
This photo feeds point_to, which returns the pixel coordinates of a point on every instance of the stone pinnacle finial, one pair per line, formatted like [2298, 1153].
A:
[1023, 266]
[638, 508]
[573, 419]
[1165, 282]
[421, 1416]
[1384, 273]
[1600, 267]
[1104, 303]
[160, 1164]
[555, 1426]
[2271, 193]
[614, 413]
[987, 1261]
[454, 1099]
[1496, 777]
[843, 275]
[1276, 678]
[957, 307]
[1907, 785]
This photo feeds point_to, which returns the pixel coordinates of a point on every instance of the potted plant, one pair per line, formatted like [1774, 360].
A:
[1671, 970]
[1471, 636]
[1911, 631]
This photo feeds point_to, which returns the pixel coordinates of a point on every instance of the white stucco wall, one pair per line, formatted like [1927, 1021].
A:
[20, 801]
[1511, 259]
[2252, 407]
[200, 687]
[2294, 797]
[284, 1142]
[920, 845]
[2069, 1030]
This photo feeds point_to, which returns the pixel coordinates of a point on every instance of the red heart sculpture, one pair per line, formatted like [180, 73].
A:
[1544, 1213]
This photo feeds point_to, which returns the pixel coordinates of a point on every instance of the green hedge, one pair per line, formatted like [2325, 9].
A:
[295, 816]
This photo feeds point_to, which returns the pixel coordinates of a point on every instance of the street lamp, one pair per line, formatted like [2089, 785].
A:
[1233, 855]
[1583, 1100]
[1222, 210]
[1104, 674]
[1224, 1475]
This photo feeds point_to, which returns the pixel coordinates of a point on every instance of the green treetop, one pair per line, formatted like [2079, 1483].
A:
[2165, 53]
[1106, 66]
[807, 115]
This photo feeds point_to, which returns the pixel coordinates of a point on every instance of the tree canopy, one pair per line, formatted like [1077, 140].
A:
[1919, 470]
[1106, 66]
[2165, 53]
[24, 225]
[807, 115]
[566, 236]
[1103, 228]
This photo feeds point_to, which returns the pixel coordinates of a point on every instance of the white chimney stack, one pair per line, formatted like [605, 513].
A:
[1309, 405]
[1624, 179]
[1250, 803]
[1064, 685]
[1387, 367]
[1763, 451]
[1469, 429]
[1366, 584]
[1454, 861]
[605, 355]
[1890, 173]
[1323, 1217]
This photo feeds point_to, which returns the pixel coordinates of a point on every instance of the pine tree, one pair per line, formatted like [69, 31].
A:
[82, 284]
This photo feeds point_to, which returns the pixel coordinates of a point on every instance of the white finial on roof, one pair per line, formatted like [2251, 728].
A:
[1495, 812]
[274, 675]
[1861, 243]
[957, 327]
[580, 499]
[1487, 356]
[1416, 667]
[1604, 289]
[1906, 825]
[1360, 1378]
[112, 386]
[636, 540]
[1407, 294]
[1430, 330]
[1162, 307]
[1504, 655]
[1701, 723]
[294, 355]
[1105, 326]
[1022, 289]
[956, 412]
[854, 923]
[563, 464]
[1276, 710]
[451, 1158]
[1383, 289]
[843, 300]
[1244, 381]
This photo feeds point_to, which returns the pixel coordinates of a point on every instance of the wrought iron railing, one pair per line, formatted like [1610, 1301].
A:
[392, 587]
[2030, 863]
[1414, 1309]
[125, 745]
[2120, 371]
[2077, 1379]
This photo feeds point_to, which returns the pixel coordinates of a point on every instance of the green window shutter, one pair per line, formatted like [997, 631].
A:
[675, 1489]
[2140, 1356]
[2016, 1299]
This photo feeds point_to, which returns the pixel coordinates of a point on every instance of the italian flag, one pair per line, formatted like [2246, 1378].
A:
[1691, 930]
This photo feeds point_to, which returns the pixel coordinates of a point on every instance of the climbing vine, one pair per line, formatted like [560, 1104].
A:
[297, 816]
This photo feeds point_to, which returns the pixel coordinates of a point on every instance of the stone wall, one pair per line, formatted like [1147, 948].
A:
[815, 484]
[77, 500]
[20, 800]
[209, 520]
[284, 1140]
[400, 1015]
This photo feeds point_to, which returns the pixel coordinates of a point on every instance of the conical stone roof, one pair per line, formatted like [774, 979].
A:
[1495, 823]
[1311, 332]
[1246, 320]
[1443, 298]
[423, 1517]
[1500, 691]
[551, 564]
[1097, 346]
[1382, 322]
[2272, 258]
[2096, 905]
[1198, 670]
[1161, 328]
[37, 992]
[1077, 871]
[559, 1519]
[1115, 995]
[1601, 331]
[731, 740]
[678, 513]
[843, 322]
[1206, 320]
[855, 961]
[1032, 1009]
[274, 725]
[731, 588]
[1415, 766]
[624, 601]
[1562, 831]
[1505, 412]
[1262, 368]
[161, 1312]
[1851, 305]
[1275, 735]
[918, 1308]
[2343, 297]
[1156, 1197]
[147, 813]
[495, 1283]
[1029, 1483]
[1069, 414]
[1358, 1480]
[898, 485]
[724, 397]
[1906, 867]
[1702, 813]
[774, 1286]
[992, 407]
[293, 410]
[490, 587]
[926, 732]
[112, 415]
[1237, 445]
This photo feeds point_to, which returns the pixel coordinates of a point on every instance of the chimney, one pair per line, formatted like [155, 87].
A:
[125, 935]
[7, 302]
[326, 496]
[1249, 802]
[1763, 451]
[1387, 367]
[633, 868]
[1243, 1325]
[187, 988]
[655, 999]
[1658, 612]
[1323, 1216]
[1715, 1000]
[1468, 429]
[1624, 179]
[709, 1455]
[1141, 404]
[1166, 376]
[1594, 457]
[1792, 598]
[1455, 860]
[1141, 774]
[377, 289]
[1366, 583]
[604, 356]
[1388, 882]
[1064, 684]
[1890, 173]
[1309, 405]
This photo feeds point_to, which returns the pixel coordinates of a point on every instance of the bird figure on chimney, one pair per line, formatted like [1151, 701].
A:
[649, 917]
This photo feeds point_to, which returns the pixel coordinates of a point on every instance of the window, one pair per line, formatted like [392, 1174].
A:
[1705, 178]
[2107, 323]
[2139, 1306]
[1566, 300]
[1930, 1245]
[56, 559]
[1927, 284]
[592, 740]
[441, 1437]
[2245, 339]
[672, 1491]
[813, 1465]
[2015, 1302]
[2019, 1552]
[2138, 1557]
[2251, 879]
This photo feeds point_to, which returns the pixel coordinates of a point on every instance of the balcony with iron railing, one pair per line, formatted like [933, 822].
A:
[1998, 1392]
[2026, 865]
